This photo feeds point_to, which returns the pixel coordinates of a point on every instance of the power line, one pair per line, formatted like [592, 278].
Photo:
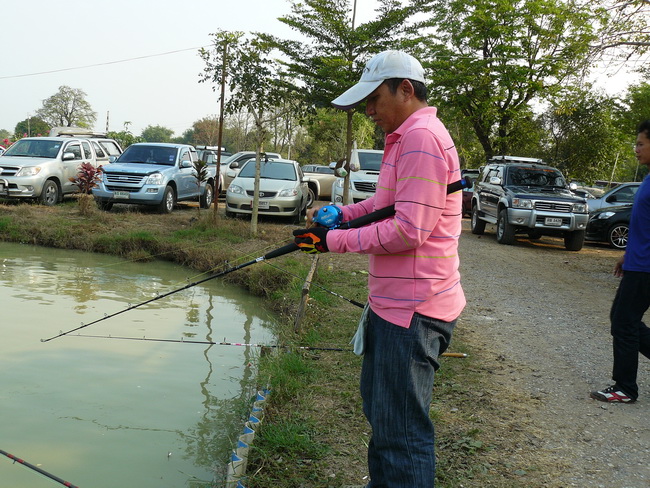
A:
[100, 64]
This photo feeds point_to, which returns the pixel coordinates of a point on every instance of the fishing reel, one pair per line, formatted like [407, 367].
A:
[329, 216]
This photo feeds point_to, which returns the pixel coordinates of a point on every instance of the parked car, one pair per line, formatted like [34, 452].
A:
[364, 174]
[610, 225]
[321, 178]
[157, 174]
[468, 193]
[523, 195]
[41, 167]
[229, 170]
[622, 194]
[283, 190]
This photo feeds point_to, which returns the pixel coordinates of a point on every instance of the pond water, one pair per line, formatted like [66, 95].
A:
[104, 412]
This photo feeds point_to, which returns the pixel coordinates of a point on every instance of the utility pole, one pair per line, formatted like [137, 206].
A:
[221, 109]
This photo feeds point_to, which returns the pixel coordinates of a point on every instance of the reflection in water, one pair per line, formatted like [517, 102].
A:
[121, 413]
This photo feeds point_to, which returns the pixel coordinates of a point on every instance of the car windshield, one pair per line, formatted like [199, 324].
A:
[271, 170]
[149, 155]
[370, 161]
[33, 148]
[536, 177]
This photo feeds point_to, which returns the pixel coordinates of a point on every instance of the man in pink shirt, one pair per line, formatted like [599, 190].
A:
[415, 296]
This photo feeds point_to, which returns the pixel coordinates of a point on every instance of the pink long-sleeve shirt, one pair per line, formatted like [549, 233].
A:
[413, 255]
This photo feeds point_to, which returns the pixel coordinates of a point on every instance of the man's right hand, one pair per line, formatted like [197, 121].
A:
[618, 267]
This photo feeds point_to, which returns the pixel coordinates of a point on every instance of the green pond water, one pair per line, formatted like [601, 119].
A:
[106, 413]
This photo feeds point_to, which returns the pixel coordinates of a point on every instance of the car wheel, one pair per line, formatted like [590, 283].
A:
[477, 225]
[206, 199]
[50, 194]
[505, 231]
[311, 198]
[297, 218]
[168, 201]
[573, 241]
[105, 205]
[617, 236]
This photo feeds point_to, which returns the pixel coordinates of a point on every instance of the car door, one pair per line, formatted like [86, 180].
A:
[82, 154]
[490, 190]
[187, 182]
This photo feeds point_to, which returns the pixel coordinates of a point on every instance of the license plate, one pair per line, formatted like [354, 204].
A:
[262, 205]
[553, 221]
[121, 194]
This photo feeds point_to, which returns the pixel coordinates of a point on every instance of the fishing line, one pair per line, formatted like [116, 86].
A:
[288, 248]
[239, 344]
[37, 469]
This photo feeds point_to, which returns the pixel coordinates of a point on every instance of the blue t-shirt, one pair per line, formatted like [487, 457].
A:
[637, 252]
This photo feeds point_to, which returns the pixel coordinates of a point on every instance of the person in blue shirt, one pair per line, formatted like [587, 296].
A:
[631, 335]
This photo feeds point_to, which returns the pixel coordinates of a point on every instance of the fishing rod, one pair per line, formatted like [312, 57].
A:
[240, 344]
[37, 469]
[362, 221]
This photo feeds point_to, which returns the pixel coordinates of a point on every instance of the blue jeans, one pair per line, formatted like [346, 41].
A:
[396, 386]
[630, 335]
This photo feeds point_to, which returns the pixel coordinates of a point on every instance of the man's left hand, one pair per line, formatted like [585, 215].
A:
[312, 240]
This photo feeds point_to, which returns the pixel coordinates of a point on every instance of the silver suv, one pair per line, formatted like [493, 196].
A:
[41, 167]
[523, 195]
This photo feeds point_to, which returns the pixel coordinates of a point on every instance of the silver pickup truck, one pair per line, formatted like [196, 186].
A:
[41, 167]
[156, 174]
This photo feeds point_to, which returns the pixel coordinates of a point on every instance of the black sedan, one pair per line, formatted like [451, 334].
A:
[611, 225]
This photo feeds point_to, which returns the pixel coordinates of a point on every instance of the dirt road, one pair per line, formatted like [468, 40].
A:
[537, 316]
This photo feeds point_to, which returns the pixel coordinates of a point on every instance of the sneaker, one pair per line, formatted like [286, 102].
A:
[611, 394]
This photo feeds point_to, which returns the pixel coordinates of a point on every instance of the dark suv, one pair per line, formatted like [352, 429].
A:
[524, 195]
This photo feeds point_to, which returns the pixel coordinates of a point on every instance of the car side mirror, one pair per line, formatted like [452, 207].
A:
[186, 164]
[495, 180]
[68, 156]
[234, 165]
[573, 186]
[112, 159]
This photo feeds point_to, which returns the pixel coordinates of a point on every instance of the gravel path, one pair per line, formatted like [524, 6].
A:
[542, 313]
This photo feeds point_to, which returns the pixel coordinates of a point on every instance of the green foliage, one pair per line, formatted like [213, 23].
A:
[67, 108]
[583, 140]
[492, 59]
[32, 126]
[87, 177]
[156, 133]
[125, 138]
[634, 107]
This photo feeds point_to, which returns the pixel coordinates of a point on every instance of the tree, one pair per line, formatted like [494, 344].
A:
[32, 126]
[256, 86]
[634, 107]
[334, 60]
[492, 59]
[125, 138]
[326, 130]
[206, 131]
[67, 108]
[584, 141]
[156, 133]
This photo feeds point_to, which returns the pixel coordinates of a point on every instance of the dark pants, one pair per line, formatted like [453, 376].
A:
[396, 385]
[631, 335]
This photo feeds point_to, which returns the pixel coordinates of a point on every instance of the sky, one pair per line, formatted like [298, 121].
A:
[136, 60]
[40, 37]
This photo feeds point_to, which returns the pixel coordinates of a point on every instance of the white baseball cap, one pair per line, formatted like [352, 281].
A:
[381, 67]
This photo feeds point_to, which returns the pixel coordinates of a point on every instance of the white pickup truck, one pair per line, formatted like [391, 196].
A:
[41, 167]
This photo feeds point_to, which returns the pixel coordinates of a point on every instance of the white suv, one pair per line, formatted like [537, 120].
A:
[364, 174]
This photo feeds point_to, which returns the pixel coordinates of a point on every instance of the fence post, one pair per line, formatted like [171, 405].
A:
[300, 314]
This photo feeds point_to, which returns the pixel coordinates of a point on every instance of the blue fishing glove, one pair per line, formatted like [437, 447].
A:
[312, 241]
